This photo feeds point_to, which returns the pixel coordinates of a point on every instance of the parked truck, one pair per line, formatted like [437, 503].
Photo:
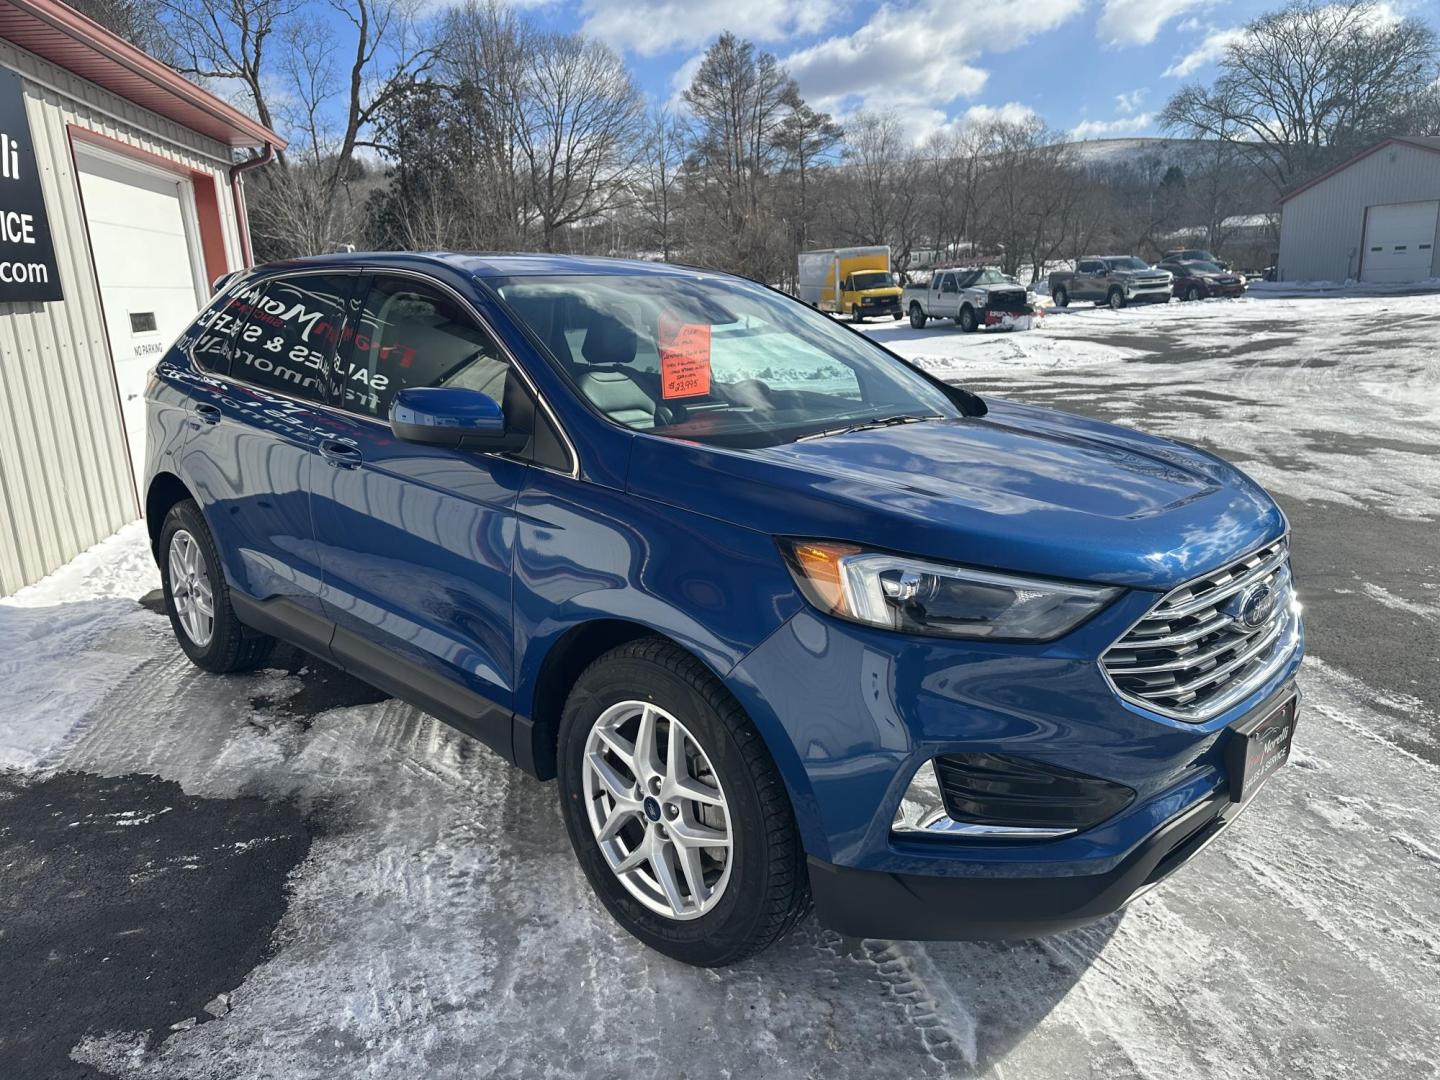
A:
[1116, 280]
[973, 297]
[854, 281]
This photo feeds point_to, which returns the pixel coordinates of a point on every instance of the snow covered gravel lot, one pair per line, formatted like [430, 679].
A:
[285, 875]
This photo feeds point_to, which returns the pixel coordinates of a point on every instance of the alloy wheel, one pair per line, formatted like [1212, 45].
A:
[657, 810]
[190, 588]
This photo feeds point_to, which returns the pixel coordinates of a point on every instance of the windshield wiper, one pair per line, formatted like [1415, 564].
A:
[867, 425]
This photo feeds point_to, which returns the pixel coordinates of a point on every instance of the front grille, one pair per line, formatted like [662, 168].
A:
[1195, 655]
[1012, 300]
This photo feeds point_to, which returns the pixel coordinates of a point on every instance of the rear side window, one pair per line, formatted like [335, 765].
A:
[410, 334]
[284, 330]
[208, 338]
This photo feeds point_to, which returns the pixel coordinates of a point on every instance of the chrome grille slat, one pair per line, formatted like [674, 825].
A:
[1212, 599]
[1188, 659]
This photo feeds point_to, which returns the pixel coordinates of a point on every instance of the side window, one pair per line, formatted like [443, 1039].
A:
[411, 334]
[208, 338]
[285, 331]
[947, 284]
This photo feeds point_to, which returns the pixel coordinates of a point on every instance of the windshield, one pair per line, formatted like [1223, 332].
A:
[872, 279]
[988, 276]
[714, 360]
[1127, 262]
[1202, 267]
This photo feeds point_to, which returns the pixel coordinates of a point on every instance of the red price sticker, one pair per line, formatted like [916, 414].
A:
[684, 358]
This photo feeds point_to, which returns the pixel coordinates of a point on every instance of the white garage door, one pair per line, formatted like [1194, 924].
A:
[146, 262]
[1400, 241]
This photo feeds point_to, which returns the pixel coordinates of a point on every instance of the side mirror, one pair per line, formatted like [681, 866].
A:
[451, 417]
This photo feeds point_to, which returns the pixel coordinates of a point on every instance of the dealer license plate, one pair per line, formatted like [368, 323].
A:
[1258, 747]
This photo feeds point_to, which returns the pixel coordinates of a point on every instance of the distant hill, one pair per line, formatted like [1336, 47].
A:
[1111, 152]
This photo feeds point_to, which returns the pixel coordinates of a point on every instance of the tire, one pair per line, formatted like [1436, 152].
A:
[763, 888]
[1116, 300]
[967, 319]
[855, 315]
[917, 316]
[186, 547]
[1061, 296]
[1192, 293]
[897, 316]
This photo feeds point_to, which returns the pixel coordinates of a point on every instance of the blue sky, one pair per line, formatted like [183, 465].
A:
[1097, 68]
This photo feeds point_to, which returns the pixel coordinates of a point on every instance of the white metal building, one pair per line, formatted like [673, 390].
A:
[1375, 217]
[119, 205]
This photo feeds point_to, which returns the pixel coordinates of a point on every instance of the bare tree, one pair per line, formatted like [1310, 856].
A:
[230, 41]
[656, 185]
[1310, 82]
[578, 130]
[739, 100]
[878, 186]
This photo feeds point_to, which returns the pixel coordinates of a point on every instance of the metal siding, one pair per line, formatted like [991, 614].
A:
[64, 472]
[1321, 226]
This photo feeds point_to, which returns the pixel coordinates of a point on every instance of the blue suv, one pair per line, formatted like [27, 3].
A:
[789, 620]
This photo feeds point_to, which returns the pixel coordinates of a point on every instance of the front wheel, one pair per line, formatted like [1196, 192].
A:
[968, 320]
[855, 315]
[917, 317]
[1117, 300]
[1062, 296]
[675, 810]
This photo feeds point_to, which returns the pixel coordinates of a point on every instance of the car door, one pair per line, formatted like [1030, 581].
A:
[415, 542]
[257, 419]
[1087, 279]
[947, 304]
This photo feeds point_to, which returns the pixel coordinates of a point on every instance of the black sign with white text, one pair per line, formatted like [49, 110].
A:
[27, 253]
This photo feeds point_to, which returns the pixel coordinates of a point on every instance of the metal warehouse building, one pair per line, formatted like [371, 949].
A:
[1374, 218]
[119, 205]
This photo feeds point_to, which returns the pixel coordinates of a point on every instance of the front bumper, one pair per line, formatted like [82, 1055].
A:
[1159, 293]
[881, 307]
[915, 907]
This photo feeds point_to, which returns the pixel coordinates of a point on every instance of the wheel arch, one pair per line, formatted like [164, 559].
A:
[566, 657]
[166, 489]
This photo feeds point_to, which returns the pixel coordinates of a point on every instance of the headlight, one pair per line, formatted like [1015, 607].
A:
[914, 596]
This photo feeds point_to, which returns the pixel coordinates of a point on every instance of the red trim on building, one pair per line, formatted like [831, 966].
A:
[1418, 144]
[207, 200]
[68, 39]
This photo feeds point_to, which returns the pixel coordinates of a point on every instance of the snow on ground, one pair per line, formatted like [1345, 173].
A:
[1367, 369]
[47, 627]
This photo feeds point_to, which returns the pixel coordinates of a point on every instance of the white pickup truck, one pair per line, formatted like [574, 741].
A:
[973, 298]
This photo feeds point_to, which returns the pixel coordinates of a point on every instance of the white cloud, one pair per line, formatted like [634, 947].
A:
[1130, 103]
[654, 26]
[921, 55]
[1211, 48]
[1136, 22]
[1102, 129]
[1012, 112]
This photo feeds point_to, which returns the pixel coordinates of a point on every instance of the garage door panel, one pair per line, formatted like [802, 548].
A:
[146, 270]
[1400, 241]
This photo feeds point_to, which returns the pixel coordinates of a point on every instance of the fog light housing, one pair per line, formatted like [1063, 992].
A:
[997, 796]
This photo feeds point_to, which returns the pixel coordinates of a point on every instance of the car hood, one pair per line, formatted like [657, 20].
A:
[1021, 488]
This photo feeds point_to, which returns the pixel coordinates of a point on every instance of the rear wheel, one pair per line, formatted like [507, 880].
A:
[1062, 296]
[675, 809]
[917, 316]
[968, 320]
[198, 600]
[1116, 299]
[1192, 293]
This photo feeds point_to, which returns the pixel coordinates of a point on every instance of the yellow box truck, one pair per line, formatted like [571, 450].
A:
[854, 281]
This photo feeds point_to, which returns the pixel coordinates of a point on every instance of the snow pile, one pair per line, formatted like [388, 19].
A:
[68, 639]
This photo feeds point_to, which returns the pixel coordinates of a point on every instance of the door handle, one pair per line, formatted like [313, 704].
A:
[205, 416]
[340, 455]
